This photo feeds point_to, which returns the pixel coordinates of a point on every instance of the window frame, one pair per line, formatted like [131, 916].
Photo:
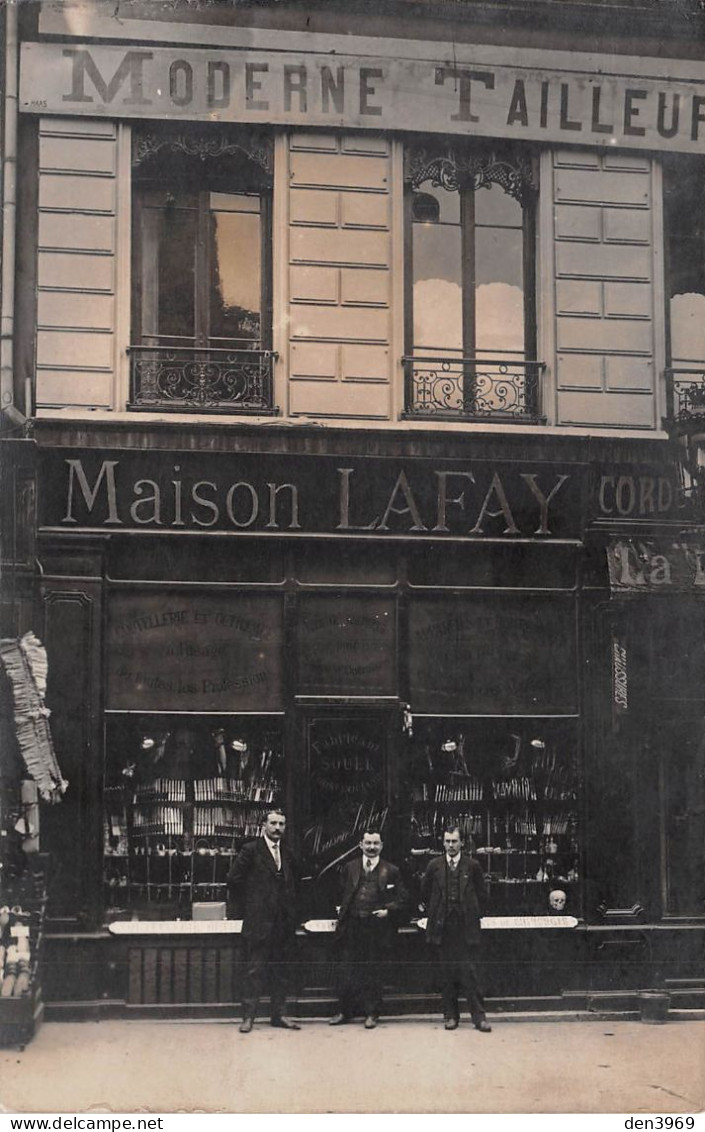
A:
[202, 372]
[465, 167]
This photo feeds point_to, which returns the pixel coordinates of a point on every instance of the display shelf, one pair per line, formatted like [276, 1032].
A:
[169, 839]
[512, 794]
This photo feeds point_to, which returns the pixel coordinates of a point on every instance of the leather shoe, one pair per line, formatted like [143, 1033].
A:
[370, 1022]
[451, 1024]
[285, 1023]
[483, 1026]
[246, 1025]
[339, 1020]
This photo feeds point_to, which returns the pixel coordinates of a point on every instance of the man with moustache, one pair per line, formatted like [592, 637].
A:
[373, 898]
[262, 887]
[453, 893]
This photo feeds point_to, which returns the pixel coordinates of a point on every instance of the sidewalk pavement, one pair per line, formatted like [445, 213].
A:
[406, 1065]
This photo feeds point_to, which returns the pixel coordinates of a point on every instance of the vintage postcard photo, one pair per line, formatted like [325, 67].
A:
[352, 634]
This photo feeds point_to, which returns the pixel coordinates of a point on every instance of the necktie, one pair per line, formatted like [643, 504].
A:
[277, 857]
[453, 864]
[368, 865]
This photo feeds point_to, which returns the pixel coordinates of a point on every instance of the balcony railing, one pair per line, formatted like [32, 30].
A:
[184, 379]
[472, 388]
[685, 389]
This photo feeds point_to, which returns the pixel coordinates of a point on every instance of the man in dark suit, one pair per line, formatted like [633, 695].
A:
[262, 887]
[373, 898]
[453, 893]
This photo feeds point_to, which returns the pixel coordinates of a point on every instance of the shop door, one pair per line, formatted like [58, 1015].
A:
[682, 794]
[347, 785]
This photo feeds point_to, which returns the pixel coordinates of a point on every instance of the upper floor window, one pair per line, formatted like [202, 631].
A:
[201, 312]
[684, 220]
[684, 227]
[471, 325]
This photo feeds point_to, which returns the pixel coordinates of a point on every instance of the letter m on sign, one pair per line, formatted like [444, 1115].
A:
[129, 69]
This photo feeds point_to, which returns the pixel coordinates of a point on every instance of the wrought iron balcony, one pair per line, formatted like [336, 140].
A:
[201, 380]
[472, 389]
[685, 388]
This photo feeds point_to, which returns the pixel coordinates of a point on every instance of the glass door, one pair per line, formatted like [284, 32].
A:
[347, 789]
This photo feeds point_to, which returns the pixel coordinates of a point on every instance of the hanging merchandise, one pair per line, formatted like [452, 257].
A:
[25, 663]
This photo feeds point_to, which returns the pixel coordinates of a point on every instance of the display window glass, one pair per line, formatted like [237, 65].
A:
[512, 788]
[182, 794]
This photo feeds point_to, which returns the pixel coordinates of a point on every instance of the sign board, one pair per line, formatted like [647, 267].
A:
[656, 566]
[194, 652]
[530, 668]
[307, 88]
[346, 645]
[174, 492]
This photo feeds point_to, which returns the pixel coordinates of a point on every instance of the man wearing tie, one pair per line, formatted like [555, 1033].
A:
[453, 893]
[262, 887]
[373, 897]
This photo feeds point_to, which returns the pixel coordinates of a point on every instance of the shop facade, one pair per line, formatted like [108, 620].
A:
[348, 490]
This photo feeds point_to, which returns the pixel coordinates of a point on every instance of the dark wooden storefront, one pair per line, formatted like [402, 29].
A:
[406, 637]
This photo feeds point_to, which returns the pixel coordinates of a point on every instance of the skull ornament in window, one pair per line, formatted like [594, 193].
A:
[557, 899]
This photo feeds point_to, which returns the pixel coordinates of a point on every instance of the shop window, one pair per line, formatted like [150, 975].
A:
[684, 223]
[201, 271]
[182, 794]
[470, 250]
[512, 788]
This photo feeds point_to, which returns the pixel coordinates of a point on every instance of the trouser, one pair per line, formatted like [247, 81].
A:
[267, 970]
[456, 965]
[360, 969]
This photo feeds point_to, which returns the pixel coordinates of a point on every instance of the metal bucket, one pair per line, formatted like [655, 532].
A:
[654, 1006]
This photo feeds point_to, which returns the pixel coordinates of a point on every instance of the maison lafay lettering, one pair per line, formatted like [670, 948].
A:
[444, 95]
[470, 501]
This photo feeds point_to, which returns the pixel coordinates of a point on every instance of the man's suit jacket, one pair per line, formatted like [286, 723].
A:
[391, 892]
[472, 897]
[264, 900]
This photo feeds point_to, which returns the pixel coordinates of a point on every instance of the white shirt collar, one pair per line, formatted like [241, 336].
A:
[374, 861]
[450, 859]
[272, 845]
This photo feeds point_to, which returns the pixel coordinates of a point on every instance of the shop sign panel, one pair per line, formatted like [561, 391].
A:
[187, 652]
[346, 646]
[451, 93]
[656, 566]
[168, 492]
[490, 654]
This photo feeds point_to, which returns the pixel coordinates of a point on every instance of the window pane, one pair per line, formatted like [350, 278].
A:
[684, 199]
[236, 269]
[438, 315]
[495, 207]
[500, 293]
[168, 271]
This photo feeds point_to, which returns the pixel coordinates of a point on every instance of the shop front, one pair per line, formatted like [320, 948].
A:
[397, 640]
